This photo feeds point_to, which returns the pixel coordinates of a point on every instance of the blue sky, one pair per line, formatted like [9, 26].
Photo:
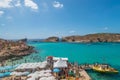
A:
[44, 18]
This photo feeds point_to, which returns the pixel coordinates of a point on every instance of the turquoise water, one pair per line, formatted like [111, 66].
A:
[84, 53]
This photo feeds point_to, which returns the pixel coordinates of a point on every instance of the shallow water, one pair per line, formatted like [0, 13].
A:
[82, 53]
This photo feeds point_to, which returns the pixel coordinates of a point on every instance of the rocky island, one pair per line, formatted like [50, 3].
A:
[51, 39]
[99, 37]
[10, 49]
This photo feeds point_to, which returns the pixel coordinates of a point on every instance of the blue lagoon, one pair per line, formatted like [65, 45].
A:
[83, 53]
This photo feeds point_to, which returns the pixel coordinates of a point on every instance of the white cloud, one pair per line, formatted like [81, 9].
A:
[57, 4]
[9, 3]
[31, 4]
[1, 13]
[72, 31]
[18, 4]
[105, 28]
[5, 4]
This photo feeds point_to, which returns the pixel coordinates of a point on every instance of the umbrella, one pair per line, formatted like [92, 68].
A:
[48, 71]
[2, 68]
[8, 67]
[4, 74]
[56, 70]
[26, 73]
[16, 65]
[7, 73]
[1, 75]
[47, 74]
[51, 78]
[43, 78]
[19, 73]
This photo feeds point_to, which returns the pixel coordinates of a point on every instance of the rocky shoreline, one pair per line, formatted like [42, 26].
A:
[99, 37]
[10, 49]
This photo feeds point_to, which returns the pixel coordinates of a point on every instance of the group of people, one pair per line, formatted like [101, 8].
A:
[71, 71]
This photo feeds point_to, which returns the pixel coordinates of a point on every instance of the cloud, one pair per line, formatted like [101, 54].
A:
[9, 3]
[1, 13]
[31, 4]
[5, 4]
[72, 31]
[18, 4]
[105, 28]
[57, 4]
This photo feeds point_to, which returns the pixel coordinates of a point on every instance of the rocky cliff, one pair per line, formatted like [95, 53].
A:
[10, 49]
[100, 37]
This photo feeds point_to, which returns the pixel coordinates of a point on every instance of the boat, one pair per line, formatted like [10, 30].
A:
[104, 69]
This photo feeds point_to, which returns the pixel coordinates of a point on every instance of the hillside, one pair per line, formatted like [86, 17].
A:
[99, 37]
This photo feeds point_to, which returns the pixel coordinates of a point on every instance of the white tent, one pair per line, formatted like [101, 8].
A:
[57, 58]
[60, 64]
[48, 78]
[19, 73]
[43, 75]
[32, 65]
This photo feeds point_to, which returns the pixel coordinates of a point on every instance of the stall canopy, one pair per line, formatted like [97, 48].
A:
[57, 58]
[60, 64]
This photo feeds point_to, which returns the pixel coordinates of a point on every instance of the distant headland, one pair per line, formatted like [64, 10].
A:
[98, 37]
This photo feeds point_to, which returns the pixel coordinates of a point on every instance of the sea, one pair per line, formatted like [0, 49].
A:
[81, 53]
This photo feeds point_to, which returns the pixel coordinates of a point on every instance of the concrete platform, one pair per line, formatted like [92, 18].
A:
[84, 75]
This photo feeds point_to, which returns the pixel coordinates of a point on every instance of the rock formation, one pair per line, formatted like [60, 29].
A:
[100, 37]
[52, 39]
[10, 49]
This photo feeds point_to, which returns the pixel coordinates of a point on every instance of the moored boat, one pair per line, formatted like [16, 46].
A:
[104, 69]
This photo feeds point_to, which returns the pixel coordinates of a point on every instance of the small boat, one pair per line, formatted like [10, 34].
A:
[104, 69]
